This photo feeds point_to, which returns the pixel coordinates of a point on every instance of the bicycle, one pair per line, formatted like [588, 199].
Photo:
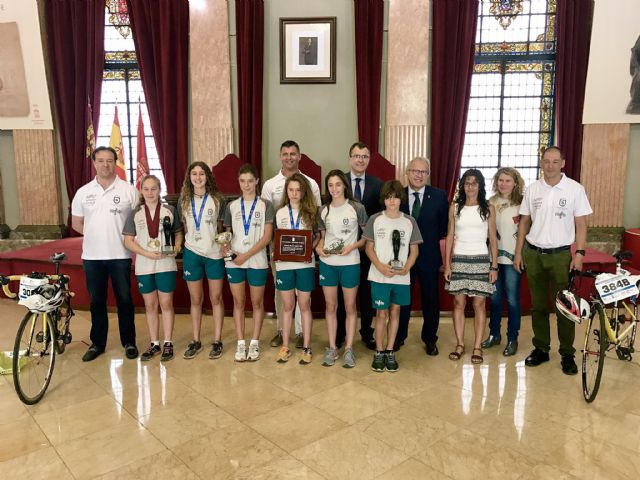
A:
[604, 313]
[44, 330]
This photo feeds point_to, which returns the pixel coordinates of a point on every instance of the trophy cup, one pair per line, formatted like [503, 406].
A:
[396, 264]
[224, 240]
[169, 247]
[334, 248]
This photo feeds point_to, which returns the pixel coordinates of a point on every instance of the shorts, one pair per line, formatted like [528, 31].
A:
[164, 282]
[257, 277]
[385, 294]
[302, 279]
[194, 267]
[333, 275]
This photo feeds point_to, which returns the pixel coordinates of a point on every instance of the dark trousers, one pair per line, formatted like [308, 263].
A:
[429, 295]
[548, 273]
[97, 273]
[366, 310]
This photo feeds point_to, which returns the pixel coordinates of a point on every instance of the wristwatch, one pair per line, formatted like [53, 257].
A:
[493, 269]
[581, 252]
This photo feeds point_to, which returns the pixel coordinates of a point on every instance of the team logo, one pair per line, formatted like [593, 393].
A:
[401, 233]
[279, 282]
[187, 273]
[379, 302]
[257, 214]
[345, 221]
[322, 277]
[116, 200]
[210, 212]
[563, 202]
[140, 285]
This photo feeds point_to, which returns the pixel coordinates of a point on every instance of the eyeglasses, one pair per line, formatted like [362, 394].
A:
[419, 172]
[471, 184]
[360, 157]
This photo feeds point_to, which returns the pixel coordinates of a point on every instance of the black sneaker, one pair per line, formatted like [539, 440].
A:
[131, 351]
[93, 353]
[391, 364]
[569, 366]
[192, 349]
[167, 352]
[536, 357]
[378, 362]
[216, 351]
[150, 352]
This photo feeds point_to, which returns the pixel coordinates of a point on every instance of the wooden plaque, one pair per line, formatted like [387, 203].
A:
[292, 245]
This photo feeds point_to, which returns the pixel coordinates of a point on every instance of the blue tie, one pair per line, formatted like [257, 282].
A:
[358, 191]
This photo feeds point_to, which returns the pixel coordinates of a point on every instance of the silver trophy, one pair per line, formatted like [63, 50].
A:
[224, 240]
[169, 247]
[334, 248]
[396, 263]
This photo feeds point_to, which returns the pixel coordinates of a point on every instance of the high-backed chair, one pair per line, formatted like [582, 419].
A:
[226, 174]
[311, 169]
[381, 167]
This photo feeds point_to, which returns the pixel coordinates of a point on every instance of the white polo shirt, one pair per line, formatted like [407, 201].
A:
[273, 188]
[258, 218]
[553, 210]
[105, 212]
[342, 223]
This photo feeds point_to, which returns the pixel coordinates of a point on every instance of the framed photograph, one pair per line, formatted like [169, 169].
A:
[308, 50]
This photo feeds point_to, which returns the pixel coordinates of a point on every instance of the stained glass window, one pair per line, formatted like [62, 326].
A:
[510, 118]
[121, 86]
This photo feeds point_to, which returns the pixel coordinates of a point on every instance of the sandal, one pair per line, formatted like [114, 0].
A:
[456, 355]
[477, 359]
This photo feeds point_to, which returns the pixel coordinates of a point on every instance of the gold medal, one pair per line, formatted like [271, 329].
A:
[153, 244]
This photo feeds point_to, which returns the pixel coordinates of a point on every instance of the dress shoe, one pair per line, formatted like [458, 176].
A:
[93, 353]
[536, 357]
[511, 348]
[398, 345]
[370, 343]
[131, 351]
[569, 366]
[432, 349]
[491, 340]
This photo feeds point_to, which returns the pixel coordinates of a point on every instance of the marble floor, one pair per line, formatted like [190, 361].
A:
[201, 418]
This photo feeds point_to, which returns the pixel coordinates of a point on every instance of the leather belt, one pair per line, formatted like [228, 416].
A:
[546, 251]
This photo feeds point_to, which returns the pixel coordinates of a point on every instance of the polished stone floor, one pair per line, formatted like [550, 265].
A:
[201, 418]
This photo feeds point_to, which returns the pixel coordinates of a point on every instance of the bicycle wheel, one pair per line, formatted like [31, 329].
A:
[593, 354]
[34, 355]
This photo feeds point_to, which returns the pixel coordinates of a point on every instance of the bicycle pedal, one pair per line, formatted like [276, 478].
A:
[67, 338]
[39, 337]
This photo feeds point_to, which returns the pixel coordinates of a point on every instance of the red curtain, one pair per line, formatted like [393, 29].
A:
[75, 43]
[161, 36]
[573, 27]
[250, 58]
[369, 25]
[454, 32]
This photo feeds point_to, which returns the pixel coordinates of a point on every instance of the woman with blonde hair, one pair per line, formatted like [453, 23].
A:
[508, 186]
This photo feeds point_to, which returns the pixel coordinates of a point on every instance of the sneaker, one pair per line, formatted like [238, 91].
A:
[391, 364]
[216, 350]
[131, 351]
[276, 341]
[305, 359]
[378, 362]
[348, 359]
[241, 353]
[283, 355]
[299, 341]
[167, 352]
[150, 352]
[330, 357]
[193, 349]
[254, 352]
[93, 353]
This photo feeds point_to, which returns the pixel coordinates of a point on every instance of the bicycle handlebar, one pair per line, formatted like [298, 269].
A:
[63, 280]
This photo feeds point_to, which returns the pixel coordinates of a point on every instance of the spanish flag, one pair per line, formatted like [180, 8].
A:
[115, 142]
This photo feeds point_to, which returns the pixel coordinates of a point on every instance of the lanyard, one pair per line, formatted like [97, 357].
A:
[294, 225]
[246, 222]
[198, 219]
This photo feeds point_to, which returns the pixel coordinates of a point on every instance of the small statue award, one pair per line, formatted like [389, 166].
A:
[224, 240]
[169, 247]
[334, 248]
[396, 263]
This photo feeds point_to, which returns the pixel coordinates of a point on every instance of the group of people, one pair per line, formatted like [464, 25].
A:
[373, 240]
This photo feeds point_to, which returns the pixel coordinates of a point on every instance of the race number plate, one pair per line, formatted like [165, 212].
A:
[28, 285]
[615, 287]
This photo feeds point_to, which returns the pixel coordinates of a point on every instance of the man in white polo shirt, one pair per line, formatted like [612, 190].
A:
[99, 210]
[553, 215]
[272, 191]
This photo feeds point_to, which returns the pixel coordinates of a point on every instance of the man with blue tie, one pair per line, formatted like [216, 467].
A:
[429, 207]
[366, 190]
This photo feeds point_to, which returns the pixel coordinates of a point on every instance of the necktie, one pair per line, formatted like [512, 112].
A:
[358, 191]
[415, 210]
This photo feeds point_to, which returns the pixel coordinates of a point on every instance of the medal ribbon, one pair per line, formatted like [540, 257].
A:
[153, 225]
[197, 219]
[294, 225]
[246, 222]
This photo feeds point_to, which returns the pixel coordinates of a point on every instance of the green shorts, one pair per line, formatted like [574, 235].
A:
[333, 275]
[385, 294]
[257, 277]
[165, 282]
[301, 279]
[194, 267]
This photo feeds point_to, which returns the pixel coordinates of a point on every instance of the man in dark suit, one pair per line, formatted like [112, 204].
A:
[366, 189]
[429, 207]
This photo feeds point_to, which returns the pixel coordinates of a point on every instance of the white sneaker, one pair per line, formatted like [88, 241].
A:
[241, 353]
[254, 352]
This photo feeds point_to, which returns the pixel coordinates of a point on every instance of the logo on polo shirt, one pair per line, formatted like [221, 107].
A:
[345, 221]
[563, 202]
[257, 215]
[116, 200]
